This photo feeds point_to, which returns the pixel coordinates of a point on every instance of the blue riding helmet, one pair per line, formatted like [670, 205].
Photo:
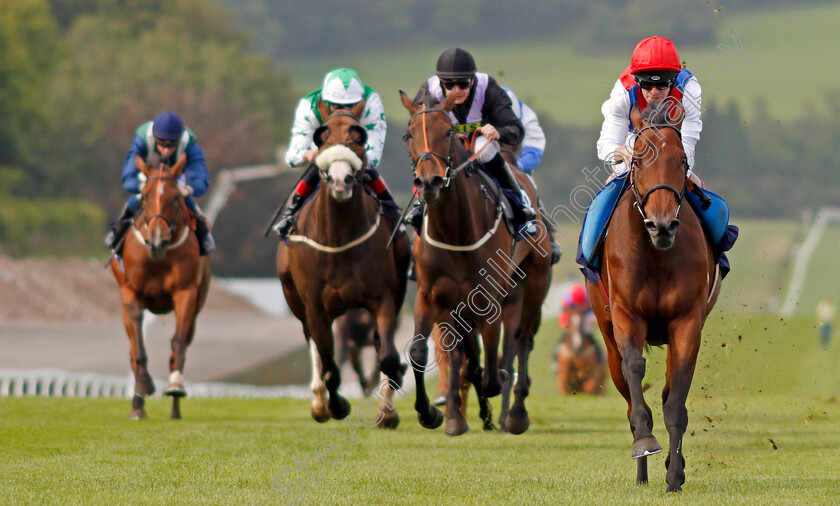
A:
[168, 126]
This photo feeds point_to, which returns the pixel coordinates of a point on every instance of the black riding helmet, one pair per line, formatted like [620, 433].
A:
[455, 63]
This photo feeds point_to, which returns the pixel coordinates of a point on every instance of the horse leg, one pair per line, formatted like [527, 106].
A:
[318, 408]
[614, 362]
[518, 420]
[355, 354]
[509, 313]
[425, 312]
[443, 374]
[491, 383]
[186, 308]
[455, 422]
[133, 322]
[321, 331]
[682, 358]
[389, 359]
[472, 350]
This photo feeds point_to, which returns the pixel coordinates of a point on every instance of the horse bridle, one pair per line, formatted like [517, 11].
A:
[148, 220]
[447, 172]
[641, 200]
[324, 173]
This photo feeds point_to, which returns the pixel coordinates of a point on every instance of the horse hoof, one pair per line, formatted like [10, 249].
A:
[176, 391]
[339, 407]
[137, 414]
[645, 446]
[456, 426]
[517, 425]
[175, 416]
[433, 418]
[390, 421]
[675, 488]
[320, 415]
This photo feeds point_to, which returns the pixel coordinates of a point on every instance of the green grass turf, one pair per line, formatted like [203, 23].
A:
[758, 378]
[784, 48]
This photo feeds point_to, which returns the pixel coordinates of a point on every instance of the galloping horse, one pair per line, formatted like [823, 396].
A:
[338, 261]
[466, 273]
[354, 331]
[163, 271]
[658, 287]
[578, 366]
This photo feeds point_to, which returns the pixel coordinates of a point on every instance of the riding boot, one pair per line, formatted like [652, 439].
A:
[114, 238]
[206, 243]
[502, 171]
[415, 217]
[288, 217]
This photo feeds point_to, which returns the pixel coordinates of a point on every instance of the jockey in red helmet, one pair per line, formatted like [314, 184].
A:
[654, 73]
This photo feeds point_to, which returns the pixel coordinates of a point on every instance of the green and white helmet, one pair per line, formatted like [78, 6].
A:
[342, 86]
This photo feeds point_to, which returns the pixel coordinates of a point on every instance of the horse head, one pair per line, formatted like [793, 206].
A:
[162, 203]
[341, 150]
[659, 163]
[430, 142]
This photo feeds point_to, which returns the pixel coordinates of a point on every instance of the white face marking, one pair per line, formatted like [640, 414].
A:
[340, 172]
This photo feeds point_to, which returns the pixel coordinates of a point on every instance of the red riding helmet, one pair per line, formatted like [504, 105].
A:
[577, 293]
[655, 53]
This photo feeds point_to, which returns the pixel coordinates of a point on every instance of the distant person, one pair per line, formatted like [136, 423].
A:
[826, 310]
[580, 362]
[342, 90]
[530, 152]
[483, 106]
[167, 137]
[576, 303]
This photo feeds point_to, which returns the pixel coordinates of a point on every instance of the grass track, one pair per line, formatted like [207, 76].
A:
[772, 383]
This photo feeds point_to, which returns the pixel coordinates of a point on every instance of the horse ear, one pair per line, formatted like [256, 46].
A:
[178, 168]
[676, 112]
[141, 165]
[636, 117]
[357, 134]
[358, 109]
[322, 133]
[448, 104]
[323, 109]
[408, 103]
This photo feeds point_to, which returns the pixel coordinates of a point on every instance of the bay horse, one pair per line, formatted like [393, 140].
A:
[658, 286]
[337, 261]
[161, 272]
[354, 331]
[471, 276]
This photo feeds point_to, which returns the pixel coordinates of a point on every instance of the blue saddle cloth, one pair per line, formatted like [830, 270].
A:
[714, 219]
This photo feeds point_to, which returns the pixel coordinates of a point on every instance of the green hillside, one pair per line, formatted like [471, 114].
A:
[784, 48]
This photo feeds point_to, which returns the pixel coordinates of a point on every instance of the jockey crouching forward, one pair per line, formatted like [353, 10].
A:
[342, 89]
[654, 74]
[483, 106]
[167, 137]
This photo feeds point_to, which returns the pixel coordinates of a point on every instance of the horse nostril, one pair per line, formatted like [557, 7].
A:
[418, 183]
[672, 228]
[437, 181]
[348, 179]
[650, 225]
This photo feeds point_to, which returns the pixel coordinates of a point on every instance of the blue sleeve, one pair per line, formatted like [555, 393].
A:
[196, 170]
[130, 172]
[530, 159]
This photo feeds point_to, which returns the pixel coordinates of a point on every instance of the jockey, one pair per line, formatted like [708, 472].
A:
[483, 106]
[576, 301]
[168, 137]
[531, 150]
[654, 74]
[342, 89]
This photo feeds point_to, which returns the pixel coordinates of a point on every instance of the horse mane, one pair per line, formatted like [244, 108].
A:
[657, 115]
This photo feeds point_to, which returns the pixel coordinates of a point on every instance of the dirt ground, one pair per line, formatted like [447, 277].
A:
[77, 290]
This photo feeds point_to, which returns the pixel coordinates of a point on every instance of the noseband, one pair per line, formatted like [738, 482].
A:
[642, 200]
[148, 220]
[323, 173]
